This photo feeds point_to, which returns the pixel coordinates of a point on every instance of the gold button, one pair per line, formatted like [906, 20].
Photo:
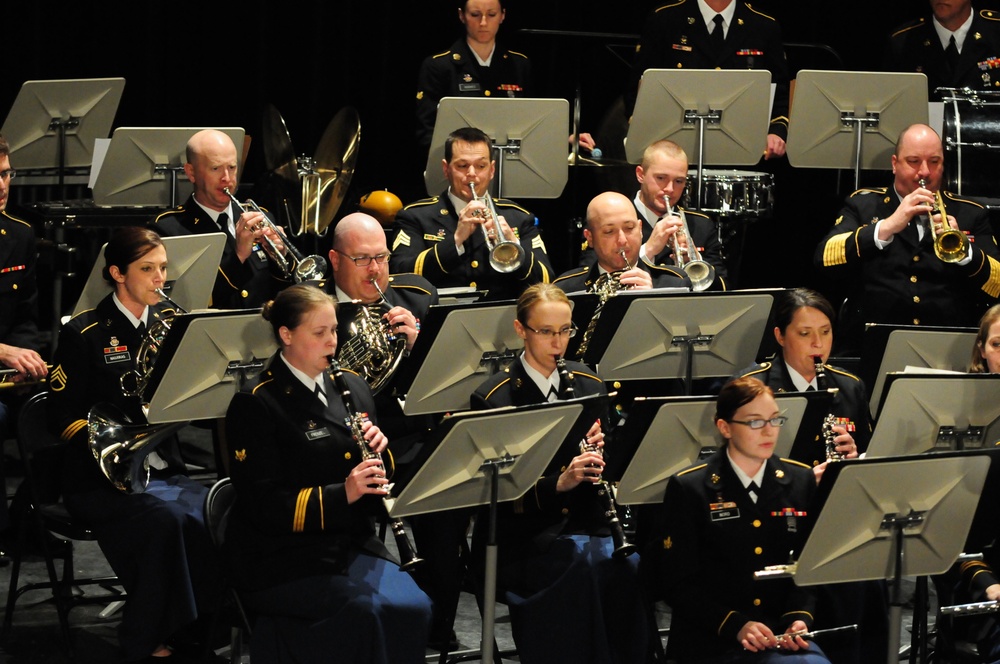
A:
[916, 259]
[472, 284]
[916, 321]
[15, 286]
[617, 385]
[680, 66]
[487, 93]
[563, 469]
[347, 456]
[756, 523]
[475, 264]
[244, 294]
[565, 510]
[717, 68]
[756, 602]
[913, 279]
[916, 299]
[758, 550]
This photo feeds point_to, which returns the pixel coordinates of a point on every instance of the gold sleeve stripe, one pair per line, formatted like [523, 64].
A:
[401, 239]
[299, 518]
[73, 429]
[796, 613]
[724, 620]
[438, 259]
[835, 252]
[322, 514]
[992, 286]
[418, 267]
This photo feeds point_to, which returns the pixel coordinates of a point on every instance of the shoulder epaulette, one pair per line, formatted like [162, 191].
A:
[758, 13]
[582, 270]
[955, 198]
[499, 385]
[587, 375]
[874, 190]
[695, 213]
[666, 268]
[909, 26]
[503, 202]
[441, 55]
[261, 384]
[393, 284]
[691, 469]
[675, 4]
[795, 463]
[841, 372]
[764, 366]
[518, 54]
[13, 218]
[422, 202]
[989, 14]
[167, 213]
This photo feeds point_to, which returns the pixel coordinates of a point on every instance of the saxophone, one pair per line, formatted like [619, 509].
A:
[831, 420]
[368, 344]
[605, 287]
[605, 492]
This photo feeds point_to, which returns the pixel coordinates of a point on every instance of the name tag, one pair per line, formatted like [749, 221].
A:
[725, 515]
[114, 358]
[469, 87]
[316, 434]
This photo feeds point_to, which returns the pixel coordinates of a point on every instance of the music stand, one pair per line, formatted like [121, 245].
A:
[203, 361]
[53, 124]
[851, 119]
[895, 347]
[143, 165]
[889, 518]
[529, 134]
[194, 260]
[684, 335]
[930, 412]
[489, 457]
[459, 347]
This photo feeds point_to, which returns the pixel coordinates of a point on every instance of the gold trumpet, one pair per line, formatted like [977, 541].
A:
[950, 244]
[6, 382]
[506, 255]
[291, 262]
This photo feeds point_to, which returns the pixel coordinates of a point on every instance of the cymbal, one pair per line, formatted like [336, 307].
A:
[334, 163]
[279, 156]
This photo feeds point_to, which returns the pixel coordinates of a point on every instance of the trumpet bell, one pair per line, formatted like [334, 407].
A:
[310, 268]
[951, 246]
[506, 256]
[701, 274]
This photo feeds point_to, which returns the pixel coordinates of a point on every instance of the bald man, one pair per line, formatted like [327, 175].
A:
[247, 277]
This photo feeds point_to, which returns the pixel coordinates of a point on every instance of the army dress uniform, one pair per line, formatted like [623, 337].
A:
[906, 283]
[18, 285]
[296, 546]
[457, 73]
[238, 285]
[916, 47]
[583, 278]
[155, 541]
[675, 37]
[425, 244]
[569, 600]
[850, 404]
[713, 538]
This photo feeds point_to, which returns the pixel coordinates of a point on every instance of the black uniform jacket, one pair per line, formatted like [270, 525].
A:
[715, 537]
[675, 37]
[527, 525]
[905, 283]
[18, 287]
[291, 455]
[915, 47]
[851, 402]
[425, 244]
[457, 73]
[582, 278]
[95, 348]
[245, 285]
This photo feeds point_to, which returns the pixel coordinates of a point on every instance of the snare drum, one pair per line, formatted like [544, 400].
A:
[972, 144]
[731, 193]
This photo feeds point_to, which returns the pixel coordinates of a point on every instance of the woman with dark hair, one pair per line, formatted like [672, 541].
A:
[156, 540]
[723, 520]
[986, 352]
[569, 600]
[804, 331]
[301, 538]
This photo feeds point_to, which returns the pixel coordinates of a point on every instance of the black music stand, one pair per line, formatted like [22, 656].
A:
[144, 166]
[887, 348]
[203, 362]
[931, 413]
[851, 119]
[886, 519]
[488, 457]
[529, 135]
[194, 261]
[459, 347]
[684, 335]
[54, 124]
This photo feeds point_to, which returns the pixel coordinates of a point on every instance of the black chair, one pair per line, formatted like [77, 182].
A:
[218, 504]
[43, 516]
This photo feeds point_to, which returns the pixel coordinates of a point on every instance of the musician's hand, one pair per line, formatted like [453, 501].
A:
[248, 231]
[594, 434]
[788, 640]
[775, 147]
[405, 323]
[28, 363]
[269, 233]
[366, 477]
[756, 637]
[637, 279]
[993, 592]
[585, 467]
[508, 234]
[818, 471]
[469, 218]
[952, 222]
[374, 437]
[661, 236]
[920, 201]
[846, 447]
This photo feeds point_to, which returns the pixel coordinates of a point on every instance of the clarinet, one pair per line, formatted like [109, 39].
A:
[828, 434]
[354, 420]
[605, 493]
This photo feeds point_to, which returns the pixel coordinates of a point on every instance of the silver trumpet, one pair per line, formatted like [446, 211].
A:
[507, 254]
[700, 272]
[291, 262]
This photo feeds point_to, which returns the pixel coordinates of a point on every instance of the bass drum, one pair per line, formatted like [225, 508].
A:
[731, 193]
[972, 145]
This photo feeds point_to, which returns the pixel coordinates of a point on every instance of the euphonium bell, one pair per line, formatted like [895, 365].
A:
[950, 244]
[507, 254]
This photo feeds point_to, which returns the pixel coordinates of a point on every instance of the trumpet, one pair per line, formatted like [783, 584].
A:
[6, 376]
[506, 255]
[700, 272]
[291, 262]
[605, 492]
[950, 244]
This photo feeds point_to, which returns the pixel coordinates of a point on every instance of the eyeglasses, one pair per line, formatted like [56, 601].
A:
[365, 261]
[775, 422]
[568, 332]
[9, 174]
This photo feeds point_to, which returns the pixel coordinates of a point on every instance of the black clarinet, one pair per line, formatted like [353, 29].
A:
[605, 492]
[828, 434]
[407, 555]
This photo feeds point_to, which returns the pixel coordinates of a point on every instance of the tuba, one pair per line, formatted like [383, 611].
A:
[605, 286]
[134, 382]
[121, 448]
[369, 346]
[950, 244]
